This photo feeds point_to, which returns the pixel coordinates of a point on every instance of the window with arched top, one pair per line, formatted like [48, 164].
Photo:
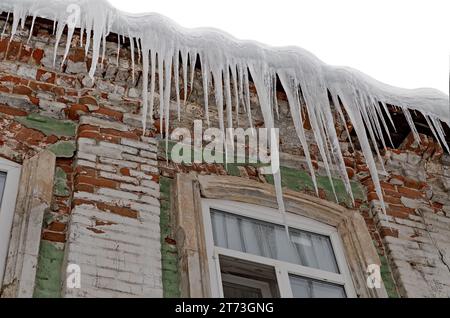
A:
[233, 242]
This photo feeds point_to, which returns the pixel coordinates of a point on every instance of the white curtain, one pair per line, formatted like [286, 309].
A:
[270, 240]
[307, 288]
[2, 185]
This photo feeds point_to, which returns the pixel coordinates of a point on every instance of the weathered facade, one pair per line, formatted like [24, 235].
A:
[97, 192]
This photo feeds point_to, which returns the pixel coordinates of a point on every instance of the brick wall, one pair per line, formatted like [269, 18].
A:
[105, 214]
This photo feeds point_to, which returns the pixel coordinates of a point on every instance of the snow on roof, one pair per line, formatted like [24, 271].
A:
[229, 61]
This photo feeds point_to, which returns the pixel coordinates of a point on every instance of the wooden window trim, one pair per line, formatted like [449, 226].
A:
[191, 189]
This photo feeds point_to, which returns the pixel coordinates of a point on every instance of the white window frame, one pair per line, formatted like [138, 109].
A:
[282, 269]
[7, 208]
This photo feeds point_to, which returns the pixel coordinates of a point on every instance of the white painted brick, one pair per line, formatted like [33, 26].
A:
[149, 140]
[97, 166]
[140, 175]
[146, 190]
[117, 194]
[121, 163]
[103, 123]
[139, 144]
[148, 154]
[140, 207]
[140, 159]
[100, 151]
[150, 169]
[150, 184]
[86, 156]
[121, 148]
[86, 141]
[117, 177]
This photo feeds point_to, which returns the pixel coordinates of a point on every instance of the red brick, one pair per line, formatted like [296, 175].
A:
[125, 134]
[50, 79]
[99, 182]
[38, 54]
[25, 54]
[110, 113]
[84, 188]
[22, 90]
[77, 55]
[86, 127]
[13, 79]
[73, 112]
[54, 237]
[410, 193]
[125, 171]
[399, 211]
[372, 196]
[88, 100]
[12, 111]
[85, 171]
[118, 210]
[56, 226]
[414, 184]
[13, 50]
[385, 231]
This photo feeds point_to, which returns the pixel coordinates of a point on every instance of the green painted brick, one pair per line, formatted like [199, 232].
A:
[60, 187]
[63, 149]
[48, 275]
[169, 253]
[49, 126]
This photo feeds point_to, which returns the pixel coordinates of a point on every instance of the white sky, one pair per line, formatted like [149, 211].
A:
[404, 43]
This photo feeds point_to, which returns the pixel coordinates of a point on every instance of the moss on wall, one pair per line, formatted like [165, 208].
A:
[48, 275]
[169, 255]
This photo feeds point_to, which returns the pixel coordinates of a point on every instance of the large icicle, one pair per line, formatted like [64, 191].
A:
[307, 81]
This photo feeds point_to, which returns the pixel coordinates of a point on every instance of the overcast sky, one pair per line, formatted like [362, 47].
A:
[404, 43]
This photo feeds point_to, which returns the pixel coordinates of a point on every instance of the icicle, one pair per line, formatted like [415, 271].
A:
[118, 53]
[234, 80]
[205, 77]
[145, 65]
[103, 50]
[132, 57]
[363, 98]
[59, 33]
[139, 49]
[161, 89]
[411, 124]
[440, 131]
[167, 84]
[31, 28]
[152, 82]
[192, 62]
[176, 75]
[184, 64]
[247, 97]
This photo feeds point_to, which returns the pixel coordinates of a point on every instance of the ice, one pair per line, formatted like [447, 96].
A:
[228, 63]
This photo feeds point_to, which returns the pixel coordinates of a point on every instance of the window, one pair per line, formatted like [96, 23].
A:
[9, 182]
[251, 255]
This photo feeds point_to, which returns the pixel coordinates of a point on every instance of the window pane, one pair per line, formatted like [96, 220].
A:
[308, 288]
[231, 290]
[270, 240]
[2, 185]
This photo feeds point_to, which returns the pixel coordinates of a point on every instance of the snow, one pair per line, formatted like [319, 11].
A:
[228, 62]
